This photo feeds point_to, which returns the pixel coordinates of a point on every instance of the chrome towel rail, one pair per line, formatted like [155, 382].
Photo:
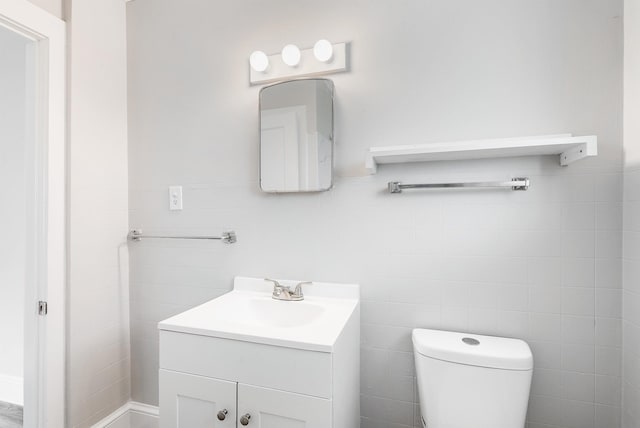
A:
[226, 237]
[521, 183]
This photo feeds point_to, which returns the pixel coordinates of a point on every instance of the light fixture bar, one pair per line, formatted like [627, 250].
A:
[308, 66]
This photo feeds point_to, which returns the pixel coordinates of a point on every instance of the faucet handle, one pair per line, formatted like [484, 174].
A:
[276, 284]
[278, 288]
[298, 290]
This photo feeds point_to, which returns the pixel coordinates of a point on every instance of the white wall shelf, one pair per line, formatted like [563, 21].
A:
[569, 149]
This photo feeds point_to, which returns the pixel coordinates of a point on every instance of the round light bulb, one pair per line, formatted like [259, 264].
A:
[259, 61]
[323, 50]
[291, 55]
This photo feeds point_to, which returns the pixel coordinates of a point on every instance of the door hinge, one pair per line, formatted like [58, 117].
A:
[42, 308]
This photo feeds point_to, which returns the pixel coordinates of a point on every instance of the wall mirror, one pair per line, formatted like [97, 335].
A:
[296, 136]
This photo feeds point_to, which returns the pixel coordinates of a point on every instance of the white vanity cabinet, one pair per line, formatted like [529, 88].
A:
[190, 401]
[278, 409]
[218, 375]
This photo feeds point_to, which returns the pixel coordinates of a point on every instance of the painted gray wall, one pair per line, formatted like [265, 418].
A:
[54, 7]
[542, 265]
[98, 355]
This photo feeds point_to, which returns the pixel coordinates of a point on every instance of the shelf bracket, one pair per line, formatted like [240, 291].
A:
[588, 148]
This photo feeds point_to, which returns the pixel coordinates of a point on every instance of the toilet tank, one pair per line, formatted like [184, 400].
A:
[472, 381]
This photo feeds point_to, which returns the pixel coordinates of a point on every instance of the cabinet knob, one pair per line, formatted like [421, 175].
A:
[244, 420]
[222, 414]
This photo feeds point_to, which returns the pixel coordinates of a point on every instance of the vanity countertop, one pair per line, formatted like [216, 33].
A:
[249, 313]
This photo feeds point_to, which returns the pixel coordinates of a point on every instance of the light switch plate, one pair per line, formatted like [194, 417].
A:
[175, 198]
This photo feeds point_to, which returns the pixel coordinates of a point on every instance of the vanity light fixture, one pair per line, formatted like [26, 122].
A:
[292, 62]
[323, 50]
[259, 61]
[291, 55]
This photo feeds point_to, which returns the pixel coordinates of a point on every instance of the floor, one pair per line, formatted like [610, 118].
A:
[132, 419]
[10, 415]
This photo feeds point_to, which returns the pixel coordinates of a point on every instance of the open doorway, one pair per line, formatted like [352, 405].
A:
[32, 218]
[16, 165]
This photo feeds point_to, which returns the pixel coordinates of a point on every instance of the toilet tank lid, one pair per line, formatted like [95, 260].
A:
[473, 349]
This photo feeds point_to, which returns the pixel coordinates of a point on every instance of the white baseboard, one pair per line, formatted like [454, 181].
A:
[121, 418]
[147, 409]
[12, 389]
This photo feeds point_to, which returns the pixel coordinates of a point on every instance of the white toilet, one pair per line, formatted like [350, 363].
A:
[472, 381]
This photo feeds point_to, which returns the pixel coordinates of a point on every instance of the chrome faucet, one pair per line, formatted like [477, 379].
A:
[284, 292]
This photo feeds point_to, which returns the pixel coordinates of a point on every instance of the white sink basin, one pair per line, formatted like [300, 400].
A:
[249, 313]
[260, 310]
[281, 314]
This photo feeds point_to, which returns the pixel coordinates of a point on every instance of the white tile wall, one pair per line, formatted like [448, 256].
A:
[542, 265]
[631, 235]
[553, 302]
[631, 301]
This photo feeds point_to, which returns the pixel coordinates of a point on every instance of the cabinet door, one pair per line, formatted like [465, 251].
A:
[270, 408]
[190, 401]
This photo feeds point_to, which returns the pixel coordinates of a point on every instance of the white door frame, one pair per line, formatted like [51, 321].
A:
[45, 336]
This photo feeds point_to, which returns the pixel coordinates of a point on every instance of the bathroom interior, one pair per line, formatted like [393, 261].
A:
[455, 245]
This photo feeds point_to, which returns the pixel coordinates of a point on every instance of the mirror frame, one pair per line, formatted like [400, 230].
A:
[332, 136]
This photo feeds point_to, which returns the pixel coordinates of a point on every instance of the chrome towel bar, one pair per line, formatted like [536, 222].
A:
[521, 183]
[227, 237]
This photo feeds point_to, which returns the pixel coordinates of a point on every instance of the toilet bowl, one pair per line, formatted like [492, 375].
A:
[472, 381]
